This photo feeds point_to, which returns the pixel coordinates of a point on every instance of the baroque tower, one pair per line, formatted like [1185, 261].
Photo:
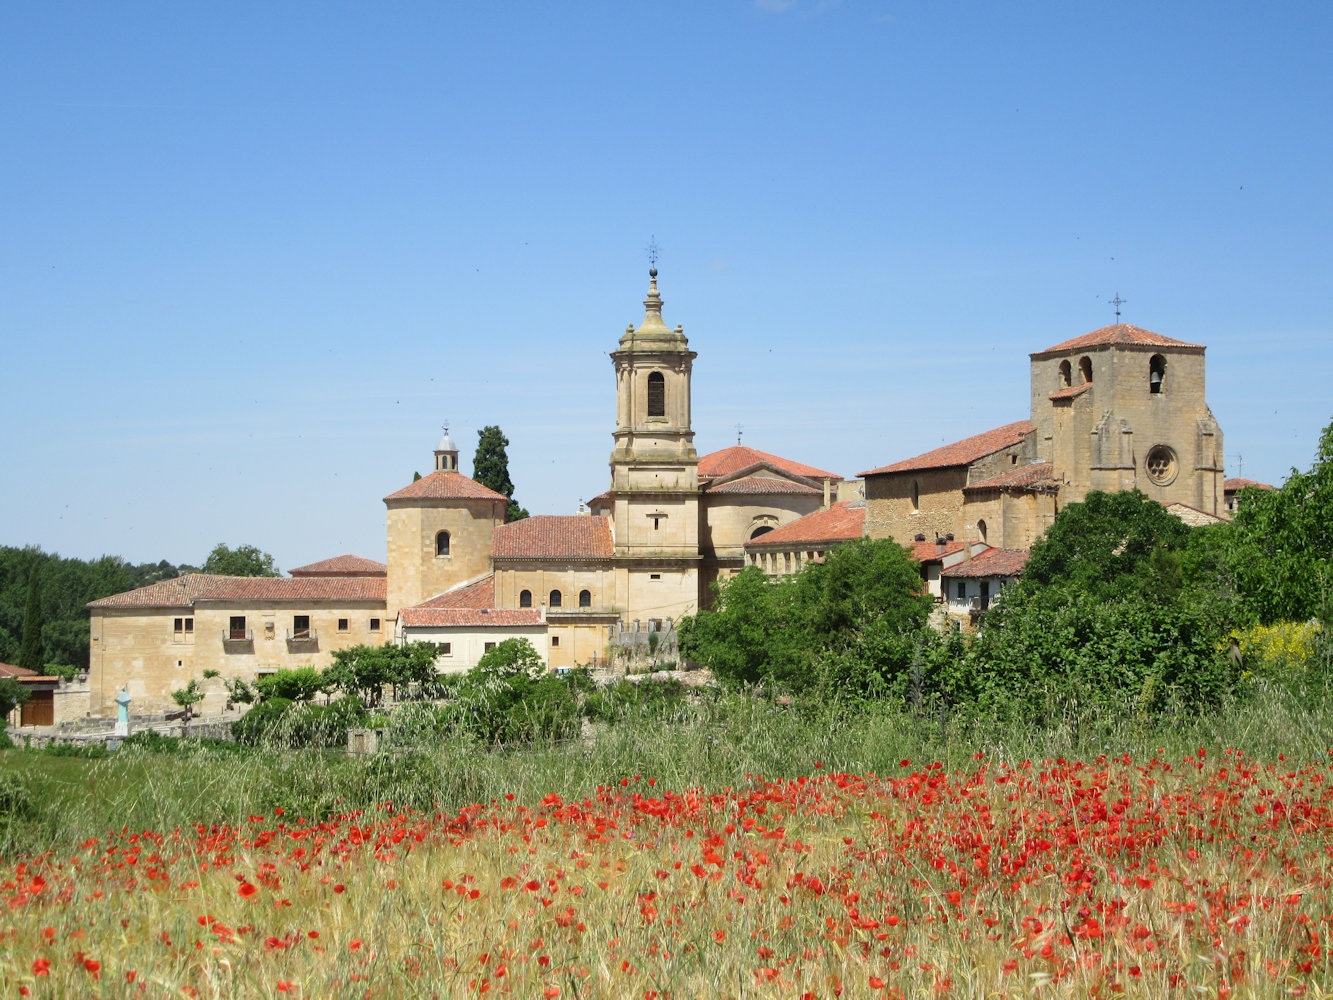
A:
[655, 468]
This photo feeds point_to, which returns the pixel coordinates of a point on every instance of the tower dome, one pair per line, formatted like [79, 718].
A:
[446, 453]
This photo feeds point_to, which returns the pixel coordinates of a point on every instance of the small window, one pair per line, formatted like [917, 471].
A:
[236, 628]
[554, 600]
[489, 647]
[342, 624]
[555, 640]
[916, 494]
[442, 543]
[189, 626]
[1085, 369]
[374, 624]
[763, 529]
[444, 648]
[656, 395]
[1066, 373]
[525, 599]
[962, 589]
[585, 598]
[657, 523]
[981, 530]
[300, 626]
[654, 576]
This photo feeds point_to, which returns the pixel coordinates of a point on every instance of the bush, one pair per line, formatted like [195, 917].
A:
[300, 684]
[299, 724]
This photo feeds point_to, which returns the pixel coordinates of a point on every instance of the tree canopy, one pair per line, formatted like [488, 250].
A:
[490, 467]
[244, 560]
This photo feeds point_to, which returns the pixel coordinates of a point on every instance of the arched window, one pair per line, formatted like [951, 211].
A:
[442, 543]
[981, 530]
[763, 529]
[1156, 373]
[1066, 372]
[656, 395]
[554, 600]
[1085, 368]
[525, 599]
[585, 598]
[916, 494]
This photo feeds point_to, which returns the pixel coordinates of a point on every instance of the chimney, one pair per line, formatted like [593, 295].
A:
[826, 492]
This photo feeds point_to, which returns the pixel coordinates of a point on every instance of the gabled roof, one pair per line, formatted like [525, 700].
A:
[723, 463]
[446, 486]
[554, 536]
[475, 595]
[962, 452]
[185, 591]
[422, 616]
[992, 562]
[924, 552]
[841, 522]
[1032, 478]
[1119, 333]
[19, 673]
[1071, 391]
[762, 484]
[346, 565]
[1235, 485]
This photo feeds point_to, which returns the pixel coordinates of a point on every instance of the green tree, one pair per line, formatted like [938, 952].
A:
[187, 697]
[490, 467]
[1110, 545]
[12, 694]
[31, 651]
[244, 560]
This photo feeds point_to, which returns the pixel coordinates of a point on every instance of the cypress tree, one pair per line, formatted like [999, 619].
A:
[490, 467]
[30, 650]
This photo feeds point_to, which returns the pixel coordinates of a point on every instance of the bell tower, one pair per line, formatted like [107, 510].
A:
[655, 468]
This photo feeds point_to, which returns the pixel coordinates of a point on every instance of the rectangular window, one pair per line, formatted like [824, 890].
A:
[489, 646]
[300, 626]
[342, 624]
[444, 648]
[183, 630]
[555, 640]
[654, 576]
[962, 589]
[236, 628]
[374, 624]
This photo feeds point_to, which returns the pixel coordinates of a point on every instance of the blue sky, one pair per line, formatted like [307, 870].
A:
[256, 254]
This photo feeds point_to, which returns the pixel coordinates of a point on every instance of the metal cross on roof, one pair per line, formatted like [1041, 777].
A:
[653, 251]
[738, 434]
[1117, 302]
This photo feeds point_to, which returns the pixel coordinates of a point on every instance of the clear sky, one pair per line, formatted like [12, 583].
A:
[254, 254]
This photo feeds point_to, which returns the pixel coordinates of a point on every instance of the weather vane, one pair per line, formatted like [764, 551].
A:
[738, 434]
[1117, 302]
[653, 251]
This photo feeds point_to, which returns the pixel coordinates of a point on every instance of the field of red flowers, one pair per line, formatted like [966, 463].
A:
[1205, 876]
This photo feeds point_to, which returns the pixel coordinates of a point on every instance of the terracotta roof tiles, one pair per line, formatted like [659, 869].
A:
[345, 565]
[723, 463]
[839, 523]
[20, 673]
[185, 591]
[1071, 391]
[554, 536]
[962, 452]
[992, 562]
[469, 617]
[762, 484]
[1119, 333]
[1032, 478]
[446, 486]
[477, 595]
[928, 551]
[1235, 485]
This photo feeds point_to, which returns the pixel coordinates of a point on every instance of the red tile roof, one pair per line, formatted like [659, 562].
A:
[1234, 485]
[445, 486]
[1071, 391]
[962, 452]
[9, 670]
[839, 523]
[992, 562]
[929, 551]
[1034, 477]
[185, 591]
[469, 617]
[1120, 333]
[477, 595]
[738, 457]
[554, 536]
[346, 565]
[762, 484]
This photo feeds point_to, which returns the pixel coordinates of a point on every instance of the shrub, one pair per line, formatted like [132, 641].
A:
[299, 684]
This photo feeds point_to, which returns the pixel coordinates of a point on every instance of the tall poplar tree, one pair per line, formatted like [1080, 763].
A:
[490, 467]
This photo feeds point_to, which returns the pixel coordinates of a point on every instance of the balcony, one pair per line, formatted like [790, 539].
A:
[237, 638]
[302, 638]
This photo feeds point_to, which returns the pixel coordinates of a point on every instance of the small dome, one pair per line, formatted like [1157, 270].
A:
[446, 442]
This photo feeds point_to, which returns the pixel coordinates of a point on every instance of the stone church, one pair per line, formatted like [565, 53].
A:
[644, 554]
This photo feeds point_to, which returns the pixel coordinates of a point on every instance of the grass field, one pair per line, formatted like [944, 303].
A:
[749, 851]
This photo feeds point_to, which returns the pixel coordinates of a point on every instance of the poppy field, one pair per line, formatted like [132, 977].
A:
[1165, 874]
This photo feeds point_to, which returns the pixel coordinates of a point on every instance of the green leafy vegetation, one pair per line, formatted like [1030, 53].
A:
[244, 560]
